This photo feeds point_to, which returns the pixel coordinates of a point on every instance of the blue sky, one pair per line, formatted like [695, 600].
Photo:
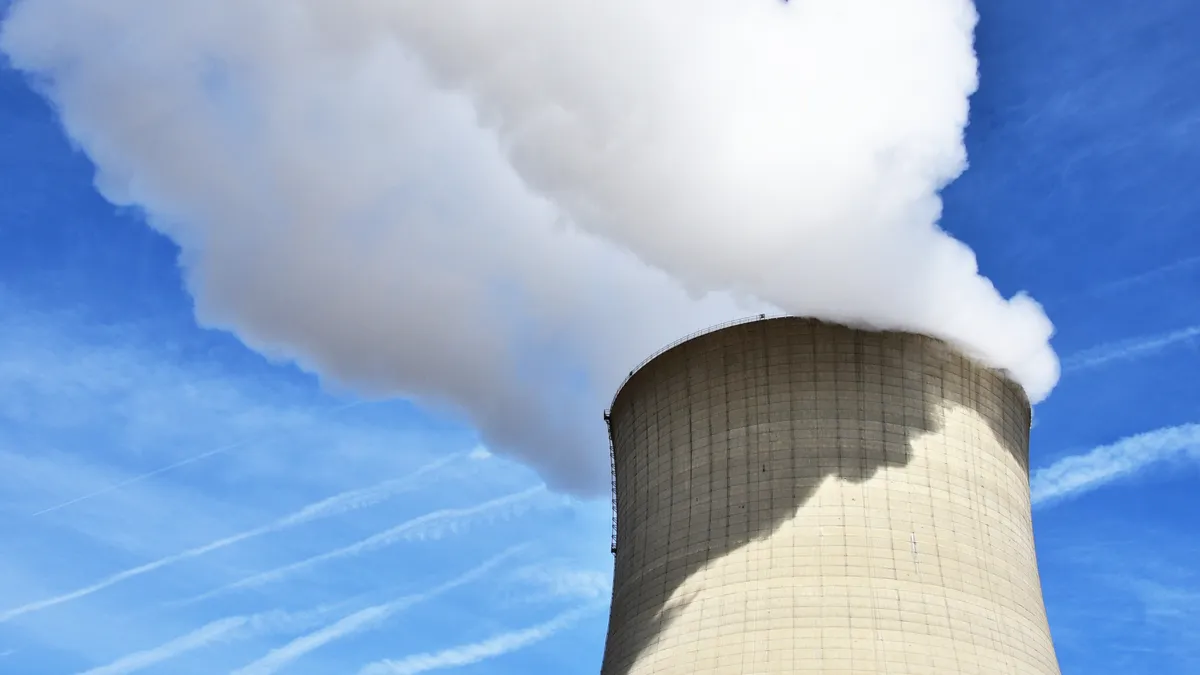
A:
[173, 502]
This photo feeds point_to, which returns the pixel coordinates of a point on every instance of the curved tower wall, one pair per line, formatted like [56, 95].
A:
[799, 497]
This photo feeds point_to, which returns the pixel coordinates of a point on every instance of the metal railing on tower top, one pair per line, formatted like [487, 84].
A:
[612, 464]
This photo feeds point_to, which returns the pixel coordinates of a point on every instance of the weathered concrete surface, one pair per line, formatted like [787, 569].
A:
[798, 497]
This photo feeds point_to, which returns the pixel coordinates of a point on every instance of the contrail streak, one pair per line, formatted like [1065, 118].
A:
[332, 506]
[361, 620]
[1151, 275]
[171, 467]
[1078, 474]
[469, 654]
[222, 630]
[1128, 349]
[430, 523]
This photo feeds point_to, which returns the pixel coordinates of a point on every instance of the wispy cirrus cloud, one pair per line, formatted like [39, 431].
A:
[1135, 348]
[132, 480]
[431, 525]
[1078, 474]
[557, 581]
[363, 619]
[476, 652]
[326, 508]
[227, 629]
[208, 634]
[1148, 276]
[121, 440]
[1169, 602]
[157, 407]
[1171, 609]
[1135, 603]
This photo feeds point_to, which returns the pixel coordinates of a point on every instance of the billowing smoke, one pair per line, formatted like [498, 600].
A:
[502, 206]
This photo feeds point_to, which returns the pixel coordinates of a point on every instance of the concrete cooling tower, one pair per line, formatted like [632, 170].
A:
[799, 497]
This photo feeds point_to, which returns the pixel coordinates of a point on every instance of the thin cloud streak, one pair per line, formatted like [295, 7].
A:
[171, 467]
[1128, 349]
[429, 525]
[362, 498]
[361, 620]
[469, 654]
[216, 631]
[551, 582]
[336, 505]
[1078, 474]
[222, 630]
[1144, 277]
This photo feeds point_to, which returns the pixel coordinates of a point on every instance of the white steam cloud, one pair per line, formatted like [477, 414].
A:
[502, 206]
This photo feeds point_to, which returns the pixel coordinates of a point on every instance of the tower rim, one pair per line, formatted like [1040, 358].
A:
[763, 318]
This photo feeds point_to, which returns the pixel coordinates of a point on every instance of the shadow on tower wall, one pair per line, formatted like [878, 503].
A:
[722, 439]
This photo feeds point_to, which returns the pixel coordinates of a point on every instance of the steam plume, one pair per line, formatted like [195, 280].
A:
[501, 206]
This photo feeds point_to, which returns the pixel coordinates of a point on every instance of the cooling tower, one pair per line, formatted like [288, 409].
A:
[799, 497]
